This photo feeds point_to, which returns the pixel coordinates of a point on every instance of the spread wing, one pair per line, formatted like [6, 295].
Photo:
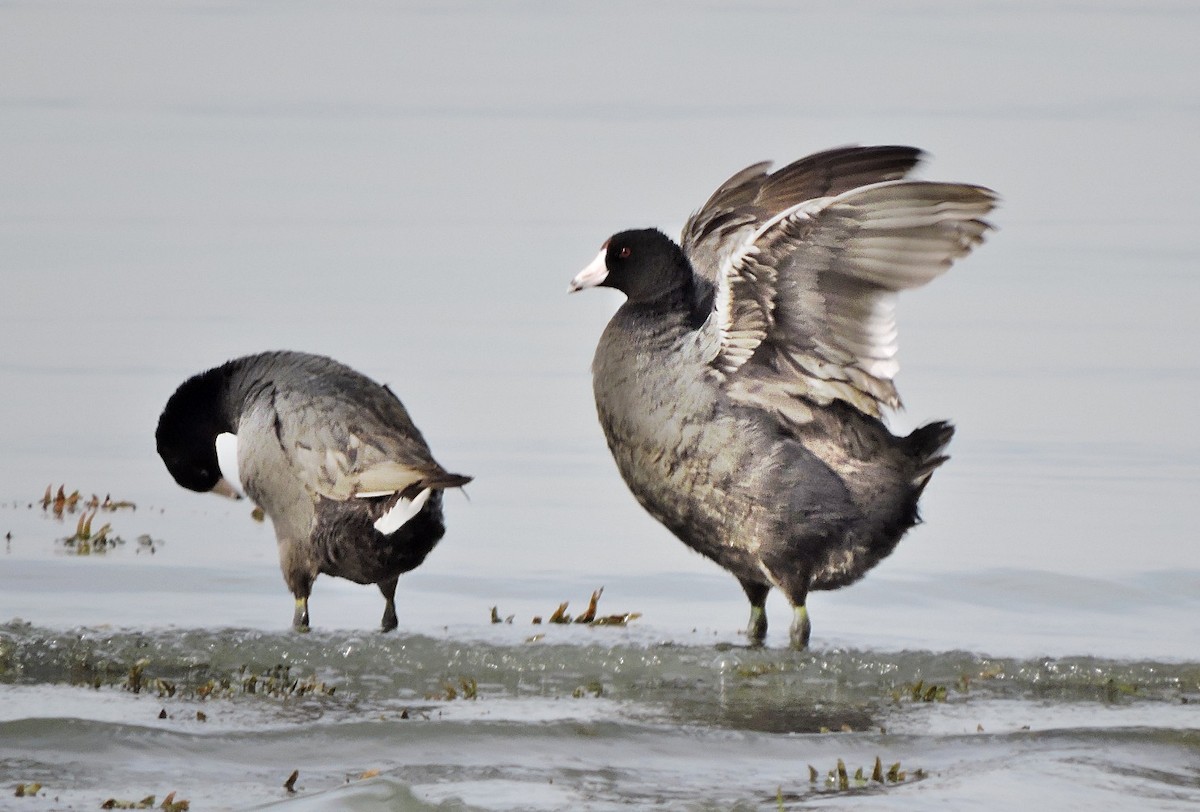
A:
[373, 451]
[804, 304]
[751, 197]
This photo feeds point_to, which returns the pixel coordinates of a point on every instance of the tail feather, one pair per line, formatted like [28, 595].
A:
[401, 512]
[445, 480]
[402, 506]
[890, 516]
[926, 446]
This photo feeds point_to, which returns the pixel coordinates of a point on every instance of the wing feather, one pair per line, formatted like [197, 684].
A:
[805, 304]
[377, 451]
[752, 196]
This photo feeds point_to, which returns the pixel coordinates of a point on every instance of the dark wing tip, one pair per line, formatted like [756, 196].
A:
[837, 170]
[448, 480]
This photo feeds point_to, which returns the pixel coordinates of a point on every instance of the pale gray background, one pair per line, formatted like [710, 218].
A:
[409, 187]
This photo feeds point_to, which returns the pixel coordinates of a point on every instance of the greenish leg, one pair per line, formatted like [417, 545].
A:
[300, 616]
[756, 629]
[299, 579]
[801, 627]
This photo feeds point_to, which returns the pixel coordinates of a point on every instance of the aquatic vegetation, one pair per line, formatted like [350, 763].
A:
[467, 688]
[616, 620]
[60, 502]
[134, 682]
[110, 504]
[920, 692]
[839, 780]
[276, 683]
[1114, 690]
[169, 804]
[145, 542]
[560, 615]
[757, 669]
[588, 617]
[593, 688]
[1078, 678]
[85, 540]
[589, 614]
[144, 804]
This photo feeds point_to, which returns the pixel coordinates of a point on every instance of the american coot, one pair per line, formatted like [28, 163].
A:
[742, 383]
[331, 456]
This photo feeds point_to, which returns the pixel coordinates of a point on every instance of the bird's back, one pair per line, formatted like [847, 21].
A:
[314, 430]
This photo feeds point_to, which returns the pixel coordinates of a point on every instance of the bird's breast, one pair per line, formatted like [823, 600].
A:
[683, 453]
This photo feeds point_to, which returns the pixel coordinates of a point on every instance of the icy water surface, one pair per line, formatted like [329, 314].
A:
[227, 715]
[408, 187]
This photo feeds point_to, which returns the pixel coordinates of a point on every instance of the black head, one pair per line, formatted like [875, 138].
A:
[188, 429]
[644, 265]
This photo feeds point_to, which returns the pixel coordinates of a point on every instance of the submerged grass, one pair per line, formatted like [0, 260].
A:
[589, 617]
[276, 682]
[169, 804]
[60, 502]
[86, 540]
[466, 688]
[838, 781]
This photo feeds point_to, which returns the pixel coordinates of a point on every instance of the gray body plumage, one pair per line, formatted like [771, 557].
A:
[325, 452]
[760, 498]
[741, 386]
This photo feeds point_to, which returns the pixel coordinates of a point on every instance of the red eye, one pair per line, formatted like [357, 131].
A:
[624, 252]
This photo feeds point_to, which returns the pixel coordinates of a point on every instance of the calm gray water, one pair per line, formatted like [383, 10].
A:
[409, 188]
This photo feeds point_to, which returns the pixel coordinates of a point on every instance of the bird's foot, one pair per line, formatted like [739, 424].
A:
[801, 627]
